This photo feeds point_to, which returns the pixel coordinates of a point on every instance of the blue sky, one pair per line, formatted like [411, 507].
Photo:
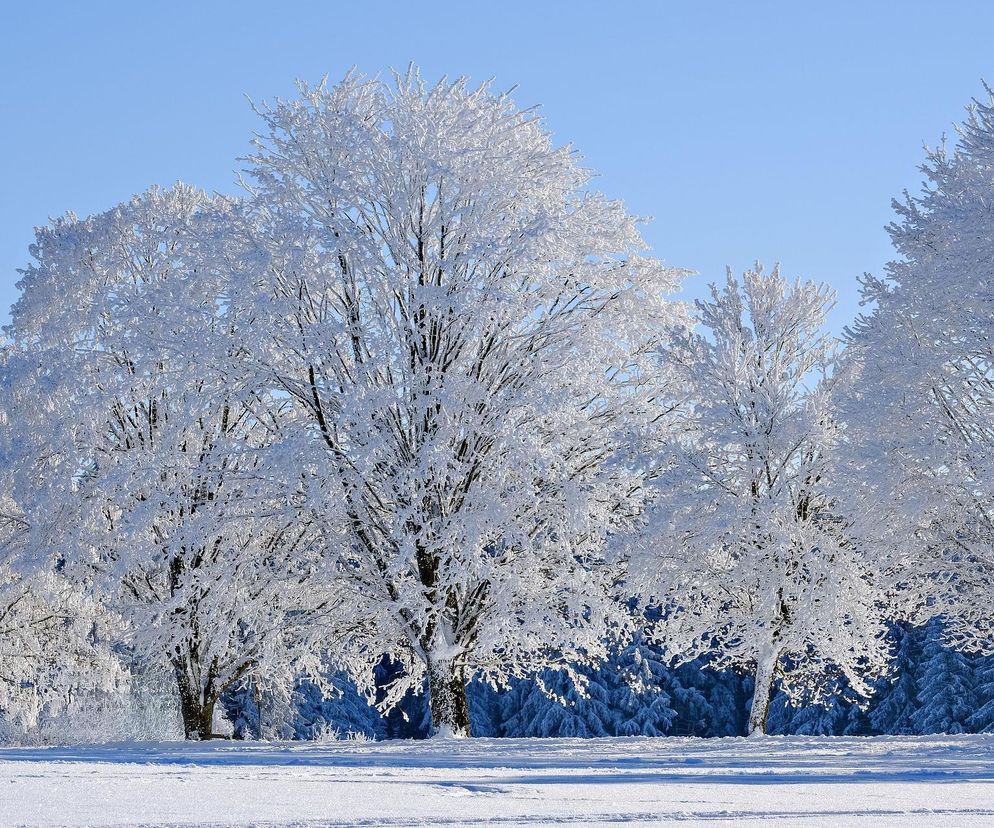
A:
[777, 131]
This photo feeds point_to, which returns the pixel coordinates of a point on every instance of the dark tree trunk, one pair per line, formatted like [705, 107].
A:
[196, 706]
[447, 699]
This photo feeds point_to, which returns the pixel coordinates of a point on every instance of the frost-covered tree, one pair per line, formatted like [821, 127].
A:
[895, 700]
[337, 710]
[920, 413]
[627, 695]
[945, 686]
[463, 331]
[54, 641]
[826, 718]
[140, 456]
[644, 691]
[54, 649]
[746, 548]
[982, 718]
[332, 709]
[554, 705]
[727, 693]
[633, 693]
[828, 715]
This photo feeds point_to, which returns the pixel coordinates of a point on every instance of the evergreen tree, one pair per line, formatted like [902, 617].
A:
[945, 686]
[896, 701]
[982, 719]
[779, 714]
[687, 686]
[857, 721]
[729, 694]
[628, 695]
[641, 704]
[824, 719]
[484, 708]
[338, 710]
[831, 710]
[530, 711]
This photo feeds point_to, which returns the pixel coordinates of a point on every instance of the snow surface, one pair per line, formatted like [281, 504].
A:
[946, 780]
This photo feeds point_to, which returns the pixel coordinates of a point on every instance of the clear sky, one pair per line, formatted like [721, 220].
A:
[777, 131]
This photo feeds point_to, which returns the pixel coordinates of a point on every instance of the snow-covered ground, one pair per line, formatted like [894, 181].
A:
[789, 780]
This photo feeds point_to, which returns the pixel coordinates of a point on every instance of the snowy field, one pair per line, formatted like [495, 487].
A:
[787, 781]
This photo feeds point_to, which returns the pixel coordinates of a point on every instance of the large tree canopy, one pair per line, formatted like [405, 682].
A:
[920, 413]
[463, 330]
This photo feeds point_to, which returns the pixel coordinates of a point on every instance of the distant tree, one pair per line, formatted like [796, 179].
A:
[728, 694]
[829, 715]
[557, 704]
[896, 699]
[982, 718]
[335, 710]
[946, 700]
[54, 641]
[485, 708]
[641, 687]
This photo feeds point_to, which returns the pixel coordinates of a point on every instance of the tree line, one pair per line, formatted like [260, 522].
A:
[420, 397]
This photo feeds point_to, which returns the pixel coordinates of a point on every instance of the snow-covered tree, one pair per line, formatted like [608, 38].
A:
[895, 700]
[336, 711]
[746, 548]
[140, 457]
[627, 695]
[982, 718]
[331, 709]
[945, 686]
[727, 692]
[556, 704]
[463, 331]
[920, 414]
[642, 689]
[54, 649]
[830, 714]
[634, 692]
[54, 641]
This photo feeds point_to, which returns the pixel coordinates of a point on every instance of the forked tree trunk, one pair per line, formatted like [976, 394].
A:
[447, 699]
[766, 672]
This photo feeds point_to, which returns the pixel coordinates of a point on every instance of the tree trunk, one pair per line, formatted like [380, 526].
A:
[447, 699]
[196, 707]
[766, 672]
